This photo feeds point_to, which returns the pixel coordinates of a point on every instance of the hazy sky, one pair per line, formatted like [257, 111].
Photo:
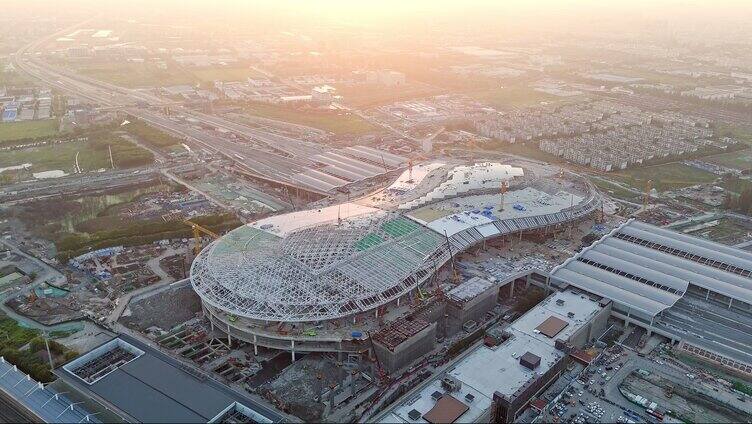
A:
[529, 14]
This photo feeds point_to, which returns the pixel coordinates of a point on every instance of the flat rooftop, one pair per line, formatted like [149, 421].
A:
[498, 369]
[457, 214]
[485, 370]
[154, 388]
[576, 311]
[423, 402]
[470, 289]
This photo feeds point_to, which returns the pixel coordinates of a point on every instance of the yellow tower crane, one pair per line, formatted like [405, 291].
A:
[197, 230]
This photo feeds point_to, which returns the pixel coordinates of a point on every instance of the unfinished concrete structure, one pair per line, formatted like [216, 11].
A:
[402, 342]
[470, 301]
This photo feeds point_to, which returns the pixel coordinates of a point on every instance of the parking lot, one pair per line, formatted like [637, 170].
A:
[595, 396]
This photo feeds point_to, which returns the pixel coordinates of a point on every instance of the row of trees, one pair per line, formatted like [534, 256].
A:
[150, 135]
[26, 349]
[741, 203]
[140, 233]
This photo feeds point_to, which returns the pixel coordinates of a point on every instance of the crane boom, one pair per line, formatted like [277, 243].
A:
[197, 230]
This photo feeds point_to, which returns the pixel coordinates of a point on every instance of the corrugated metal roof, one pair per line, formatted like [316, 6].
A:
[649, 268]
[46, 403]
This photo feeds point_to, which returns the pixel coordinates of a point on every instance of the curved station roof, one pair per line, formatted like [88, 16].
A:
[345, 259]
[649, 268]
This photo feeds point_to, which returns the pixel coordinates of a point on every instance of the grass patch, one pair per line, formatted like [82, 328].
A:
[10, 131]
[513, 97]
[367, 96]
[614, 190]
[226, 74]
[339, 123]
[92, 155]
[733, 131]
[670, 176]
[133, 75]
[738, 160]
[13, 339]
[149, 135]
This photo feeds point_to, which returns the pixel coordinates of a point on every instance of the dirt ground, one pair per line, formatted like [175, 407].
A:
[692, 406]
[299, 386]
[165, 309]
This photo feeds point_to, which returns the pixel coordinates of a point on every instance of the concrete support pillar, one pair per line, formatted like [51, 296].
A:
[707, 295]
[255, 346]
[398, 301]
[511, 288]
[731, 300]
[229, 336]
[527, 281]
[292, 349]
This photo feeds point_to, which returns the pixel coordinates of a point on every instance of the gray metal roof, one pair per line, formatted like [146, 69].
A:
[154, 388]
[649, 268]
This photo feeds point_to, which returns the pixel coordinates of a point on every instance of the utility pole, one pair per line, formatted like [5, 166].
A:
[49, 354]
[112, 162]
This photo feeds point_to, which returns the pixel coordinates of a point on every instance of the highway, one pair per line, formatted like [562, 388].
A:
[276, 158]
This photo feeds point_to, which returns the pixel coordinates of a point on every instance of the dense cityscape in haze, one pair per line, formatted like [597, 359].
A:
[393, 212]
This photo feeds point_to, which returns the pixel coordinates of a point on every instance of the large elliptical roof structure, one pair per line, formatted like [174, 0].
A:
[317, 273]
[341, 260]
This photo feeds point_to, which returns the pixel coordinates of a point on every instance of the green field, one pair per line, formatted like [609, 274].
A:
[337, 123]
[28, 129]
[513, 97]
[139, 75]
[150, 135]
[364, 96]
[739, 160]
[670, 176]
[133, 75]
[225, 74]
[734, 131]
[613, 189]
[92, 155]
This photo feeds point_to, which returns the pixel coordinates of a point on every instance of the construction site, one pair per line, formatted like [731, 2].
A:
[334, 325]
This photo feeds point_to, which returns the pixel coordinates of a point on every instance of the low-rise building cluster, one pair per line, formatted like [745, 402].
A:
[25, 105]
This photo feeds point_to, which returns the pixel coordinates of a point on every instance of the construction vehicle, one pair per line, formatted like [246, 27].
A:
[197, 230]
